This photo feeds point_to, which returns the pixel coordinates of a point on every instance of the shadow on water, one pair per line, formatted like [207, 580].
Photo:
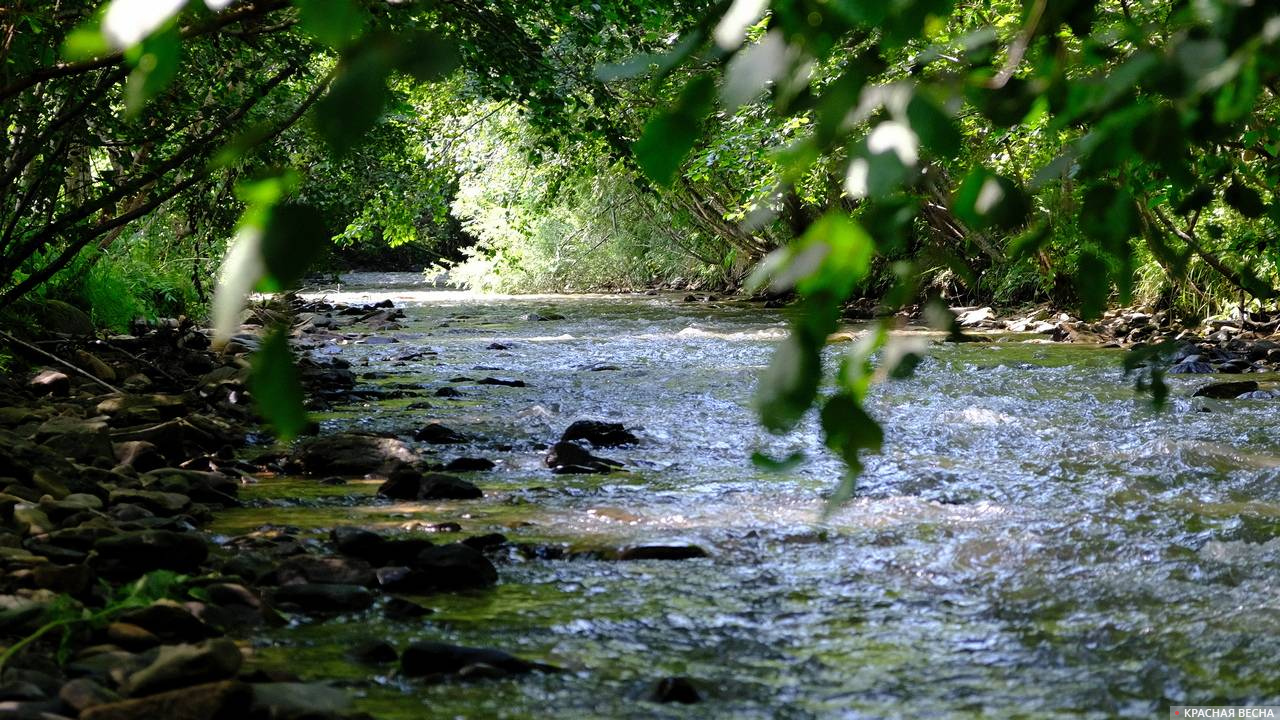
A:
[1034, 539]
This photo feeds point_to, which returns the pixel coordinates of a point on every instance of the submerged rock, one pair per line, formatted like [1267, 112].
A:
[432, 658]
[504, 382]
[599, 433]
[316, 597]
[469, 464]
[441, 569]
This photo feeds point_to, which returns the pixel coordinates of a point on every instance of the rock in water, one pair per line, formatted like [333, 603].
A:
[432, 658]
[437, 434]
[1226, 390]
[675, 690]
[441, 569]
[353, 454]
[410, 485]
[599, 434]
[570, 458]
[662, 552]
[181, 665]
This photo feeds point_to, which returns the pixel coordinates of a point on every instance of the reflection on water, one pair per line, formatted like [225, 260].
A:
[1034, 539]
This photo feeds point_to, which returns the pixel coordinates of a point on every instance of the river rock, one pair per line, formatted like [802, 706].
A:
[60, 317]
[314, 597]
[570, 458]
[83, 693]
[325, 571]
[410, 485]
[662, 552]
[374, 652]
[132, 554]
[433, 658]
[214, 701]
[140, 455]
[84, 441]
[437, 434]
[181, 665]
[356, 542]
[1191, 367]
[1226, 390]
[442, 568]
[51, 382]
[168, 621]
[599, 433]
[504, 382]
[353, 454]
[164, 504]
[675, 690]
[448, 392]
[469, 464]
[298, 701]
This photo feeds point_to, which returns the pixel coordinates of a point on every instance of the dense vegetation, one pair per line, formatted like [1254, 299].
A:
[1086, 152]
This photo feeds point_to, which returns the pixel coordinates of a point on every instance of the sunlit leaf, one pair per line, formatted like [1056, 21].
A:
[275, 386]
[333, 22]
[155, 64]
[127, 22]
[985, 199]
[670, 135]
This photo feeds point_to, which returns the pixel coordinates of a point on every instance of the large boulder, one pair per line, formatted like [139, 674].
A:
[353, 454]
[132, 554]
[60, 317]
[1226, 390]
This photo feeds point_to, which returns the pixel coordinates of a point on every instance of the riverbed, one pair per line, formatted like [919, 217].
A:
[1034, 539]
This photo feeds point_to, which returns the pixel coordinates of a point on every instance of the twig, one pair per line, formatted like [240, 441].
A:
[61, 362]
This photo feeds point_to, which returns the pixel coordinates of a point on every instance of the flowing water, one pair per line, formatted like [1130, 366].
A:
[1034, 539]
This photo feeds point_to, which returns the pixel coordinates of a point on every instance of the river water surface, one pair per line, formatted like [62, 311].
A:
[1033, 540]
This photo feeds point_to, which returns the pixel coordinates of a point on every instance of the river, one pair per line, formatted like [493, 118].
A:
[1034, 539]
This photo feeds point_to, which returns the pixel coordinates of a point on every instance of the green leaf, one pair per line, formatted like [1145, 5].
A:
[155, 64]
[1109, 216]
[777, 465]
[335, 23]
[275, 387]
[669, 136]
[86, 43]
[987, 200]
[789, 385]
[294, 237]
[355, 100]
[1244, 199]
[935, 129]
[848, 429]
[426, 56]
[1092, 284]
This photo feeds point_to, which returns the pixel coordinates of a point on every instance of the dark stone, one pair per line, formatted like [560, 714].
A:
[69, 579]
[448, 392]
[374, 652]
[1190, 367]
[599, 434]
[499, 346]
[431, 486]
[469, 464]
[178, 666]
[505, 382]
[401, 609]
[139, 455]
[130, 637]
[662, 552]
[486, 542]
[357, 542]
[1226, 390]
[83, 693]
[437, 434]
[675, 690]
[325, 570]
[60, 317]
[431, 658]
[571, 458]
[20, 691]
[168, 621]
[132, 554]
[324, 598]
[441, 569]
[214, 701]
[353, 454]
